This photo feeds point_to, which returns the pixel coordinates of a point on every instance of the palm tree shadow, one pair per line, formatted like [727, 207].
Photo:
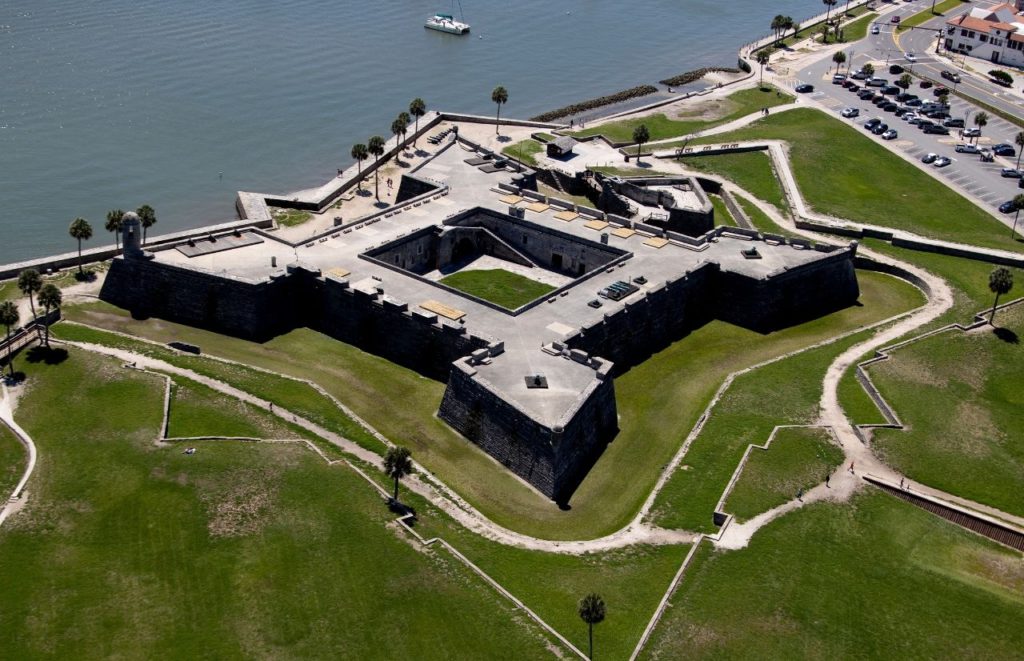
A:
[85, 276]
[504, 138]
[47, 355]
[1006, 335]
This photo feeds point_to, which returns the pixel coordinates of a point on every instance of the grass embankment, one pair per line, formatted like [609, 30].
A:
[656, 406]
[504, 288]
[798, 458]
[960, 398]
[525, 151]
[751, 171]
[661, 126]
[857, 30]
[877, 578]
[548, 191]
[13, 457]
[197, 410]
[760, 219]
[842, 172]
[295, 396]
[926, 15]
[747, 413]
[290, 217]
[240, 550]
[722, 215]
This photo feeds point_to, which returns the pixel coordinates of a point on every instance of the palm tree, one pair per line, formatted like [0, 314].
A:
[405, 119]
[499, 95]
[1000, 281]
[417, 108]
[792, 25]
[868, 69]
[115, 218]
[29, 282]
[591, 610]
[640, 136]
[9, 317]
[148, 217]
[762, 58]
[397, 465]
[1018, 204]
[933, 6]
[905, 81]
[829, 4]
[50, 297]
[359, 153]
[80, 229]
[777, 24]
[398, 127]
[980, 120]
[376, 147]
[1020, 147]
[839, 58]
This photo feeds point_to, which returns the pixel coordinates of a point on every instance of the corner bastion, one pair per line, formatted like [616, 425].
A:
[533, 387]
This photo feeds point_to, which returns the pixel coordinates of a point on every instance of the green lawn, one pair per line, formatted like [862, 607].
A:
[873, 579]
[722, 215]
[291, 217]
[128, 549]
[13, 457]
[548, 191]
[959, 395]
[844, 173]
[751, 171]
[656, 406]
[524, 150]
[857, 30]
[760, 219]
[661, 126]
[293, 395]
[798, 458]
[197, 410]
[926, 15]
[504, 288]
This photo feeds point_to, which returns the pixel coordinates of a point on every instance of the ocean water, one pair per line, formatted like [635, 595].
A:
[118, 103]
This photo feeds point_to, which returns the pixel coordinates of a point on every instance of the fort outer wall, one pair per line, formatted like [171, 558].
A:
[553, 459]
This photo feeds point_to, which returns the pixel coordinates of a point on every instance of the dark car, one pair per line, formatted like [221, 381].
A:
[905, 96]
[891, 90]
[1004, 149]
[848, 83]
[879, 101]
[872, 123]
[902, 110]
[924, 123]
[854, 87]
[865, 95]
[938, 114]
[890, 107]
[804, 88]
[949, 75]
[954, 123]
[915, 102]
[1008, 207]
[940, 90]
[935, 129]
[880, 129]
[1010, 173]
[895, 68]
[925, 84]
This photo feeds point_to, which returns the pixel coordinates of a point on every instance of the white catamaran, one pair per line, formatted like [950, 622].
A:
[447, 22]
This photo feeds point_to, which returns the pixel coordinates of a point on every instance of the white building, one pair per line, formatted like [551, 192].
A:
[995, 34]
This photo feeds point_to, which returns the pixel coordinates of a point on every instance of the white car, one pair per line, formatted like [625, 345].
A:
[891, 134]
[875, 29]
[942, 161]
[909, 116]
[850, 112]
[911, 57]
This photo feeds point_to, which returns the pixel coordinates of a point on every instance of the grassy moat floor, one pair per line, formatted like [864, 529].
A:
[504, 288]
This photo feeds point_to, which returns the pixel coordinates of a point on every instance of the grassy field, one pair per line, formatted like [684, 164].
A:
[656, 406]
[290, 217]
[750, 170]
[525, 151]
[661, 126]
[798, 458]
[959, 395]
[197, 410]
[926, 15]
[873, 579]
[857, 30]
[722, 215]
[760, 219]
[507, 289]
[12, 461]
[293, 395]
[127, 549]
[873, 185]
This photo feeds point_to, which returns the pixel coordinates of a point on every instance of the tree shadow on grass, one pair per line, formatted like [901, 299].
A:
[1006, 335]
[504, 138]
[47, 355]
[12, 379]
[85, 276]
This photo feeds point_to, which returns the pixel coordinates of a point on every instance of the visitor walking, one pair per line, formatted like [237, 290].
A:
[851, 469]
[800, 494]
[827, 478]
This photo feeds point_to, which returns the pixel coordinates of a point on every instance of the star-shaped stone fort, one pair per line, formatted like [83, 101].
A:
[533, 386]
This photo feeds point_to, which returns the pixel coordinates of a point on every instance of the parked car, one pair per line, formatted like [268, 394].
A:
[910, 117]
[950, 76]
[895, 69]
[875, 29]
[954, 123]
[891, 134]
[850, 112]
[865, 95]
[890, 90]
[872, 123]
[966, 148]
[804, 88]
[1004, 149]
[936, 129]
[986, 156]
[942, 161]
[889, 107]
[924, 123]
[859, 75]
[915, 102]
[879, 100]
[929, 158]
[903, 97]
[854, 87]
[880, 129]
[925, 84]
[839, 79]
[902, 111]
[1008, 207]
[877, 82]
[940, 90]
[1010, 173]
[848, 83]
[938, 114]
[972, 132]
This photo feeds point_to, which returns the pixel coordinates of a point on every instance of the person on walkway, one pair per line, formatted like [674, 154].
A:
[827, 478]
[851, 469]
[800, 494]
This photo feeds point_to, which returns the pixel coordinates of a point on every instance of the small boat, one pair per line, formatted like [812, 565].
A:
[446, 23]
